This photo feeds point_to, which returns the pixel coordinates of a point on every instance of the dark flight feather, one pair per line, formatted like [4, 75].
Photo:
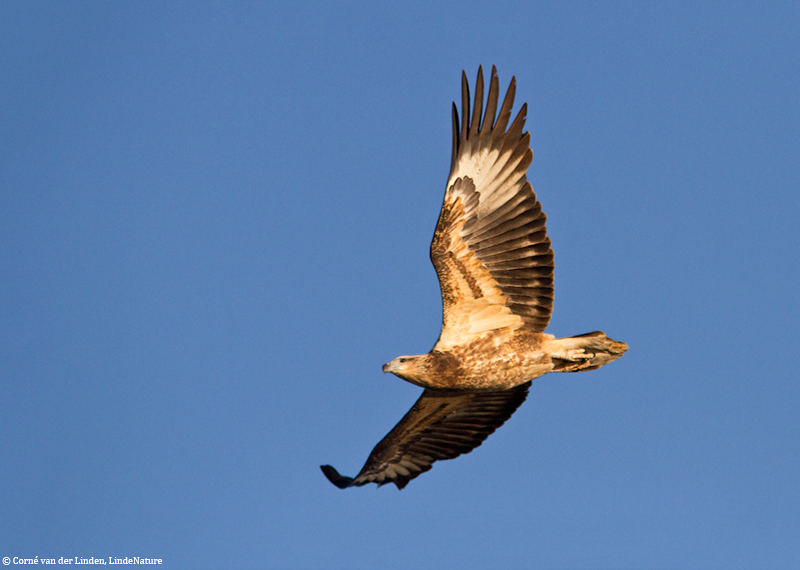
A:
[441, 425]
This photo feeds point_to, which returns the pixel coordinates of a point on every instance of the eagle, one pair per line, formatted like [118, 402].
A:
[495, 266]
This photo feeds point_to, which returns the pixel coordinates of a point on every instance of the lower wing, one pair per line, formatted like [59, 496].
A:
[441, 425]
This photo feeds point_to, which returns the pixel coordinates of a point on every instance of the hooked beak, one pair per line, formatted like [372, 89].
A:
[386, 368]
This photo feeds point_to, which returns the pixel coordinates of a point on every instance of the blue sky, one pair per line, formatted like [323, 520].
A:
[214, 230]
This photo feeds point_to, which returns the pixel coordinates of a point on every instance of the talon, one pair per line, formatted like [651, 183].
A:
[573, 355]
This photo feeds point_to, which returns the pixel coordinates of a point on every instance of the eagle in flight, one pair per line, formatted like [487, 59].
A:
[495, 267]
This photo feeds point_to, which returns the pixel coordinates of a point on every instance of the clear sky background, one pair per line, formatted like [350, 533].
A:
[214, 230]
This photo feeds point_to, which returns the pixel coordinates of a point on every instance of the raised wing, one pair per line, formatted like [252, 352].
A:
[490, 248]
[441, 425]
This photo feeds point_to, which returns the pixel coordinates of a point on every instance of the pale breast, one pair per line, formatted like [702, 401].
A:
[495, 361]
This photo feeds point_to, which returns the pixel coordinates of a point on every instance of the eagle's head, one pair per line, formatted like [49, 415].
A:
[433, 370]
[410, 368]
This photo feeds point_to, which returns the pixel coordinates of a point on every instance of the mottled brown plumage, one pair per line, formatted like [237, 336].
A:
[495, 267]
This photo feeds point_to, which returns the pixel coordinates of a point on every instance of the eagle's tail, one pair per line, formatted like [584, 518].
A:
[585, 352]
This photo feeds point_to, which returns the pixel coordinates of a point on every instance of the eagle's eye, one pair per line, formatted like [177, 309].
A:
[403, 359]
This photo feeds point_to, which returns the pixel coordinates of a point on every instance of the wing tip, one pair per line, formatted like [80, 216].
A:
[333, 476]
[401, 482]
